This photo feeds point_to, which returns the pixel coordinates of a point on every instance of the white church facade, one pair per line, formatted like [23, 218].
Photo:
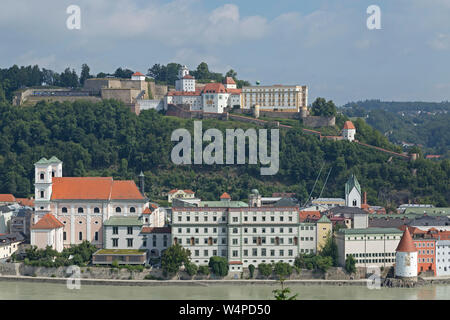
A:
[82, 204]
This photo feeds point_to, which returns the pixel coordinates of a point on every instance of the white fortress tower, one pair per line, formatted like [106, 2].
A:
[406, 257]
[349, 131]
[44, 171]
[352, 192]
[185, 81]
[137, 76]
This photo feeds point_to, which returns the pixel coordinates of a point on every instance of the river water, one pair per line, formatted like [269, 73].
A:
[34, 290]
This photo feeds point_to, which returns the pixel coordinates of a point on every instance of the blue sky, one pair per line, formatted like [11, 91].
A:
[321, 43]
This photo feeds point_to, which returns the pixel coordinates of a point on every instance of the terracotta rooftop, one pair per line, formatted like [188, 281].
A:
[229, 80]
[7, 198]
[349, 125]
[406, 243]
[48, 221]
[188, 76]
[305, 215]
[214, 88]
[138, 74]
[94, 188]
[25, 202]
[225, 196]
[155, 230]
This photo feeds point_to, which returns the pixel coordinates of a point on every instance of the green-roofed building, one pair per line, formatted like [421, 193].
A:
[121, 232]
[369, 246]
[353, 192]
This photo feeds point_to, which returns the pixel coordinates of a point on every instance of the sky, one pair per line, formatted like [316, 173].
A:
[323, 44]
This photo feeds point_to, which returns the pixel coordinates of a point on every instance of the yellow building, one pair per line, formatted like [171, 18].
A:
[323, 229]
[275, 98]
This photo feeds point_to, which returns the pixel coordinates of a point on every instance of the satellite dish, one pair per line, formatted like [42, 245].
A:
[258, 82]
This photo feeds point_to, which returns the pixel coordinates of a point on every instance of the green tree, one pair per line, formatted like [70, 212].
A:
[191, 268]
[282, 269]
[219, 265]
[283, 293]
[204, 270]
[330, 249]
[84, 74]
[265, 269]
[231, 73]
[251, 269]
[173, 258]
[350, 264]
[202, 71]
[321, 107]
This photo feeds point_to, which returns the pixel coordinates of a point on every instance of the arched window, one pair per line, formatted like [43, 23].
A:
[53, 173]
[354, 202]
[64, 210]
[96, 210]
[118, 209]
[80, 210]
[132, 209]
[42, 176]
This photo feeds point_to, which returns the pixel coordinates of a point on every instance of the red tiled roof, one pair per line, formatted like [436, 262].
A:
[406, 243]
[229, 80]
[125, 189]
[6, 197]
[147, 211]
[138, 74]
[25, 202]
[432, 156]
[309, 215]
[214, 88]
[48, 221]
[235, 262]
[188, 76]
[94, 188]
[155, 230]
[349, 125]
[225, 196]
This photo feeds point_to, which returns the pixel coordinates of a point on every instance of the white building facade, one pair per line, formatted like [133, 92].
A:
[369, 247]
[443, 258]
[275, 98]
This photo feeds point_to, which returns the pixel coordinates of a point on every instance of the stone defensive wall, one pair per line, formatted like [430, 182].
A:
[318, 121]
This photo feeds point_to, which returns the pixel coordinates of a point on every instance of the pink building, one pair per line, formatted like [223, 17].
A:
[82, 204]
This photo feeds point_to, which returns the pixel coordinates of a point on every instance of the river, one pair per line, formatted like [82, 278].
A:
[34, 290]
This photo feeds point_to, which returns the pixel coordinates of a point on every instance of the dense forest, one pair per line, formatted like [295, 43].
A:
[425, 124]
[105, 139]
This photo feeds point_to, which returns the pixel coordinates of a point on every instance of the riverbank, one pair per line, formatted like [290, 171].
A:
[205, 283]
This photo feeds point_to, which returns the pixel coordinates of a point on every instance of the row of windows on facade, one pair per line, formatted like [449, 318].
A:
[97, 210]
[42, 175]
[373, 238]
[428, 252]
[246, 230]
[375, 260]
[443, 260]
[255, 240]
[80, 236]
[115, 242]
[372, 254]
[263, 253]
[424, 244]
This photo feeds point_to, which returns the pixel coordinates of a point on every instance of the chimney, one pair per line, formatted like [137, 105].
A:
[365, 197]
[141, 183]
